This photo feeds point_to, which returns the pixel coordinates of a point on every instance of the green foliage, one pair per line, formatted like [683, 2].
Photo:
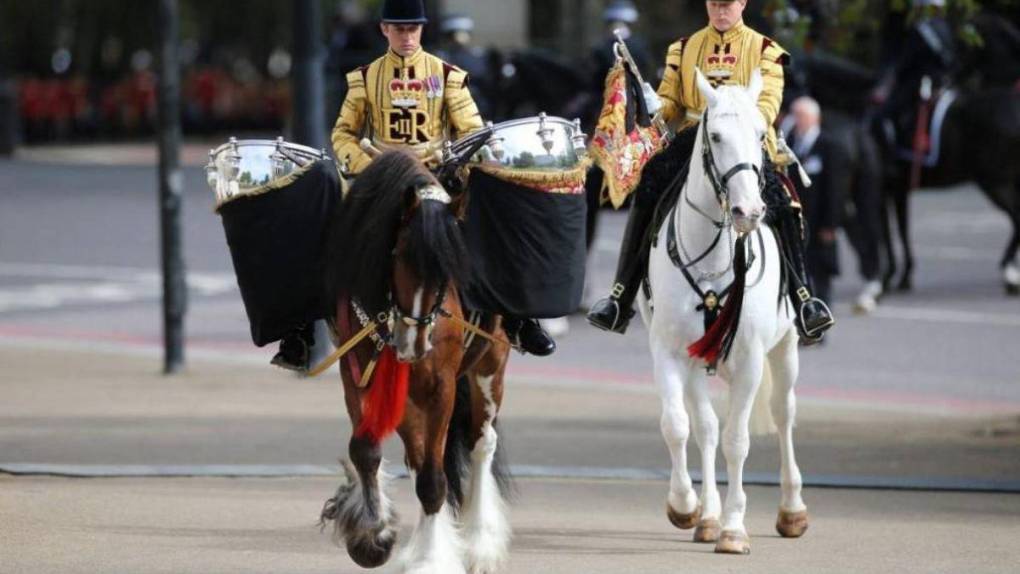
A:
[856, 25]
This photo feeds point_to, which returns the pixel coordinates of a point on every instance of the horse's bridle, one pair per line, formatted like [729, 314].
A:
[430, 192]
[424, 321]
[720, 184]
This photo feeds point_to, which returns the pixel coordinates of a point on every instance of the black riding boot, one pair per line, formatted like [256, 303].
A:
[614, 312]
[813, 316]
[295, 349]
[529, 336]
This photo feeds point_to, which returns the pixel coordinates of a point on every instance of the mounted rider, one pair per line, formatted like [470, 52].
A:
[411, 99]
[918, 67]
[727, 52]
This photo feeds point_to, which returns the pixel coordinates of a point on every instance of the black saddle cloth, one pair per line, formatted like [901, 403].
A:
[527, 249]
[277, 242]
[664, 176]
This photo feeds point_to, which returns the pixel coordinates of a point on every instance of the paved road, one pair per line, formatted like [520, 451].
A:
[149, 526]
[79, 246]
[924, 392]
[101, 411]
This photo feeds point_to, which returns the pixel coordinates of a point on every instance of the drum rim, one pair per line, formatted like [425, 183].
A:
[298, 148]
[533, 120]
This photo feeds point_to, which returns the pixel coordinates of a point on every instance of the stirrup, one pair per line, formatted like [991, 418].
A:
[620, 320]
[814, 333]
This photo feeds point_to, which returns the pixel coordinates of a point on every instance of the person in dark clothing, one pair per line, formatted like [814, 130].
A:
[823, 201]
[618, 16]
[457, 31]
[926, 54]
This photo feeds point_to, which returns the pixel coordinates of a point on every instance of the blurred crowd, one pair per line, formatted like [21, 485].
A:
[215, 99]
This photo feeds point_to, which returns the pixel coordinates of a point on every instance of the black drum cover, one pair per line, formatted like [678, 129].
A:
[527, 249]
[277, 241]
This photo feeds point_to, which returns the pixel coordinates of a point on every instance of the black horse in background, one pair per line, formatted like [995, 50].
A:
[536, 80]
[838, 85]
[980, 141]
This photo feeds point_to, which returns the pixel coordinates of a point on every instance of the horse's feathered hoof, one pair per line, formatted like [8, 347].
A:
[683, 521]
[372, 551]
[708, 530]
[792, 524]
[733, 542]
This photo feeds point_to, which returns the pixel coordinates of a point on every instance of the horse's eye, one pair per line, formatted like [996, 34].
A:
[716, 138]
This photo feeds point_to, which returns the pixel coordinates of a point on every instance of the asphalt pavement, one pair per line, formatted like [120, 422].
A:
[908, 431]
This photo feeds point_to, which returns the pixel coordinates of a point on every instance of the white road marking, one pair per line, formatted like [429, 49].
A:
[62, 285]
[923, 483]
[930, 315]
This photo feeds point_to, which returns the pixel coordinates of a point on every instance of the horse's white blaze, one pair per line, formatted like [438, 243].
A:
[409, 340]
[486, 528]
[673, 324]
[435, 546]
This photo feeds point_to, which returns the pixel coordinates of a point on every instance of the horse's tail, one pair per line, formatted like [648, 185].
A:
[382, 408]
[457, 458]
[761, 413]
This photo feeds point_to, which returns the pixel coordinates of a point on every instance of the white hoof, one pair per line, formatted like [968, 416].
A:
[867, 300]
[1011, 276]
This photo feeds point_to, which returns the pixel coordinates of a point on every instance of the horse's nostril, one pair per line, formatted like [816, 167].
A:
[737, 212]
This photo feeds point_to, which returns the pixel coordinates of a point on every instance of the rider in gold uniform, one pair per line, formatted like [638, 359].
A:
[727, 52]
[413, 100]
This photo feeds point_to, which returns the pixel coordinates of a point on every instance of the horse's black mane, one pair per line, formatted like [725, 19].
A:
[365, 228]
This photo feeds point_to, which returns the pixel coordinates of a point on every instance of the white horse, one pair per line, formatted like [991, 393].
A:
[721, 202]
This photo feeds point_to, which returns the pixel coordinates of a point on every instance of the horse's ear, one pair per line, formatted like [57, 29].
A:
[757, 83]
[705, 87]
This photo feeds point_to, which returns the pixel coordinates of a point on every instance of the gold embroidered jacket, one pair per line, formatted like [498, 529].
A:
[725, 58]
[416, 102]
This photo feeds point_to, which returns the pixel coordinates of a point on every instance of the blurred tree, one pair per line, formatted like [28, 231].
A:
[860, 29]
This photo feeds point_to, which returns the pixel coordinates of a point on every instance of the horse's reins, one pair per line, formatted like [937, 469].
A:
[720, 185]
[711, 302]
[427, 321]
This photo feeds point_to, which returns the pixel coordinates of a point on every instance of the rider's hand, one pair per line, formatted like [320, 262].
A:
[827, 235]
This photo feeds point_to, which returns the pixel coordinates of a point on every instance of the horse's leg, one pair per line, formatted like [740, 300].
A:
[682, 502]
[361, 512]
[484, 514]
[887, 236]
[783, 360]
[902, 199]
[435, 544]
[1010, 261]
[706, 433]
[746, 372]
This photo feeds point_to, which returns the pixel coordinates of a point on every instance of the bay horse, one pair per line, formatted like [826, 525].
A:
[712, 251]
[397, 256]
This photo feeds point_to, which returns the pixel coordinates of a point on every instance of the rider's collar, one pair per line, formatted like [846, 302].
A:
[402, 62]
[729, 35]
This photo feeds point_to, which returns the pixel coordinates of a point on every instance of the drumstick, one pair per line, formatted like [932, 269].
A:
[367, 147]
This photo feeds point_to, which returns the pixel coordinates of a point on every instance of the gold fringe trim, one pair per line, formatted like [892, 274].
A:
[264, 189]
[565, 181]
